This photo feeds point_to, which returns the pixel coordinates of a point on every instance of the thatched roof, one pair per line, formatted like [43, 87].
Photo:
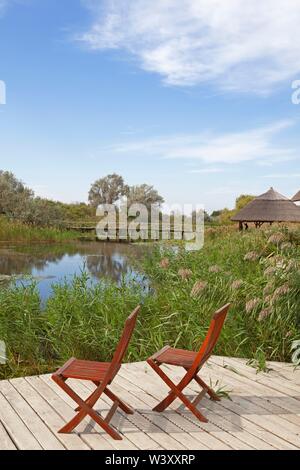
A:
[269, 207]
[296, 198]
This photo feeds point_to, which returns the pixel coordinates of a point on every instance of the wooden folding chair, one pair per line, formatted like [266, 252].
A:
[102, 375]
[192, 362]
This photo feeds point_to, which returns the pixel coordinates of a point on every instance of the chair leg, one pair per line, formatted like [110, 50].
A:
[124, 407]
[85, 409]
[176, 392]
[71, 425]
[171, 397]
[162, 406]
[121, 404]
[213, 396]
[68, 428]
[89, 398]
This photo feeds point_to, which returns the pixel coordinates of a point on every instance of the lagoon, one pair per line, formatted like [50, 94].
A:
[53, 263]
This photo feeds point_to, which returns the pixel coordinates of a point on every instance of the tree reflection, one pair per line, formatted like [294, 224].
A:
[111, 260]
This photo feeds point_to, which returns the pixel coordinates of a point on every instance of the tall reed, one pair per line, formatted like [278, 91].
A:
[258, 272]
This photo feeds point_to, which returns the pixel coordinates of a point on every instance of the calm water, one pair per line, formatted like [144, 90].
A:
[50, 264]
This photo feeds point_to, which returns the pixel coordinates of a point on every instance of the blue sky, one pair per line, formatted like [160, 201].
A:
[192, 96]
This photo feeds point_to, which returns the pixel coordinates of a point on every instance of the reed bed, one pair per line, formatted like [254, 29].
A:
[15, 231]
[258, 272]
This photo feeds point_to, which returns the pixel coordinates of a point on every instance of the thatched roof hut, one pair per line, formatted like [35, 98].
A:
[296, 198]
[269, 207]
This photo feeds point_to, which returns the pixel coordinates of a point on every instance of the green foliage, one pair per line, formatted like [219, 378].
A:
[253, 271]
[42, 213]
[224, 216]
[259, 361]
[18, 203]
[22, 329]
[14, 195]
[86, 321]
[220, 390]
[144, 194]
[15, 231]
[242, 201]
[77, 212]
[107, 190]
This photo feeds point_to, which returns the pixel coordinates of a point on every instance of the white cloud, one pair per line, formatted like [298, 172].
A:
[4, 4]
[257, 145]
[206, 170]
[283, 175]
[243, 46]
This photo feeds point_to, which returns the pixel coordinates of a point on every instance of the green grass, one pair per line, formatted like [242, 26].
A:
[18, 232]
[83, 321]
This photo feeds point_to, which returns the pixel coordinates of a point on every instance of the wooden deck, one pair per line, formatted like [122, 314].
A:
[263, 413]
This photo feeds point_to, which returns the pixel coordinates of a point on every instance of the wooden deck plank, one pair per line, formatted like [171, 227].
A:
[249, 430]
[47, 414]
[37, 427]
[288, 417]
[153, 441]
[139, 398]
[66, 412]
[118, 420]
[276, 369]
[261, 419]
[94, 436]
[132, 433]
[260, 414]
[238, 414]
[156, 395]
[156, 429]
[264, 412]
[18, 431]
[287, 387]
[271, 378]
[217, 426]
[5, 441]
[288, 404]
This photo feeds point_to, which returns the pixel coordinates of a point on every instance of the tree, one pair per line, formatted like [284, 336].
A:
[242, 201]
[225, 215]
[207, 218]
[215, 214]
[43, 212]
[144, 194]
[14, 195]
[107, 190]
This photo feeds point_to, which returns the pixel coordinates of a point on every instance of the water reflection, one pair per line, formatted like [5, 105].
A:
[52, 263]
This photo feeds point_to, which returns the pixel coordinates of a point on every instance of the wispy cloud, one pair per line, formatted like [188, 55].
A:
[283, 175]
[4, 4]
[206, 170]
[257, 145]
[238, 45]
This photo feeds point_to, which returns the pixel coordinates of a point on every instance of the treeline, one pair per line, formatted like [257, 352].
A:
[18, 202]
[223, 217]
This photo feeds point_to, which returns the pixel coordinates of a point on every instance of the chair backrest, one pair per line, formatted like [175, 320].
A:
[123, 343]
[212, 337]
